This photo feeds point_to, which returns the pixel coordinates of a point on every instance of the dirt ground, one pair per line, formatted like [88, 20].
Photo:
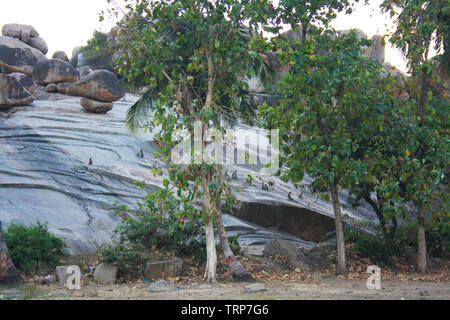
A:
[330, 288]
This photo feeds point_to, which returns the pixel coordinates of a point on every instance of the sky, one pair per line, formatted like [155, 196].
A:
[66, 24]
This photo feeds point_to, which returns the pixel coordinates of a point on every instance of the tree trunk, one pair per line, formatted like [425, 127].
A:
[211, 260]
[238, 271]
[422, 258]
[8, 273]
[341, 266]
[378, 210]
[224, 243]
[211, 255]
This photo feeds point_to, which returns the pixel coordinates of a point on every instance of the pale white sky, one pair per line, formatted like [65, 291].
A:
[65, 24]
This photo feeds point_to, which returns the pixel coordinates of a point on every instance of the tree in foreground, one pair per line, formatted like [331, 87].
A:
[194, 55]
[327, 107]
[8, 272]
[419, 27]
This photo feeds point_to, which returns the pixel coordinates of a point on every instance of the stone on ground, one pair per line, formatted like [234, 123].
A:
[163, 269]
[63, 275]
[296, 257]
[161, 285]
[254, 287]
[94, 106]
[239, 272]
[105, 273]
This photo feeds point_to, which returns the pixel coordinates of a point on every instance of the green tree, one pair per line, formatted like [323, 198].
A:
[419, 27]
[194, 55]
[326, 110]
[301, 15]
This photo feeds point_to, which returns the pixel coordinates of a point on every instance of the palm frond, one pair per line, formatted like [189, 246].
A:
[139, 112]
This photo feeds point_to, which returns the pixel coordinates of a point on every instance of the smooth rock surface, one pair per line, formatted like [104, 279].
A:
[44, 154]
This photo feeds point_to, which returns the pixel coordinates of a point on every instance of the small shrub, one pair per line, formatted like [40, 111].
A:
[159, 224]
[375, 247]
[234, 244]
[34, 249]
[437, 237]
[127, 259]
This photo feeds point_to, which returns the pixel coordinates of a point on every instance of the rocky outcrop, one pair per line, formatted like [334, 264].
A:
[295, 256]
[84, 71]
[377, 49]
[24, 80]
[94, 106]
[319, 256]
[51, 87]
[60, 55]
[38, 43]
[16, 43]
[19, 31]
[14, 59]
[302, 222]
[26, 34]
[54, 71]
[398, 88]
[62, 87]
[13, 93]
[74, 58]
[4, 102]
[100, 85]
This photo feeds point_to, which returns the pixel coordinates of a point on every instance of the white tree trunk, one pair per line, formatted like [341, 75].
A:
[211, 255]
[341, 266]
[422, 254]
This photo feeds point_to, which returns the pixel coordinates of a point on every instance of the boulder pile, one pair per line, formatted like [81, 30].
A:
[98, 89]
[25, 70]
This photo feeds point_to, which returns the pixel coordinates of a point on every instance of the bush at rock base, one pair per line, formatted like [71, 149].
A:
[159, 225]
[381, 249]
[33, 248]
[378, 249]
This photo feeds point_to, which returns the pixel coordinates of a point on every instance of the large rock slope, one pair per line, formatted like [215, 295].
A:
[45, 176]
